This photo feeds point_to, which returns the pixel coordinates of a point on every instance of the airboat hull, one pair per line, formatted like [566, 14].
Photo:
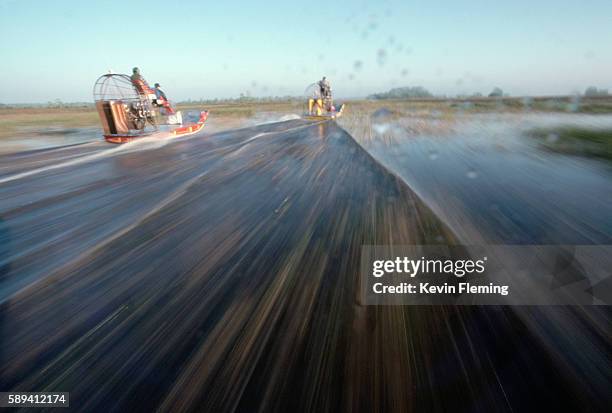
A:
[327, 116]
[188, 130]
[184, 130]
[124, 138]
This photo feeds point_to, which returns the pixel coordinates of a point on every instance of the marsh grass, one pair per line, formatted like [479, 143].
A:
[576, 140]
[18, 122]
[21, 122]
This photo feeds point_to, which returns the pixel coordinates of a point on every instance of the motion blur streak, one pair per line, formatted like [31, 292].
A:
[220, 273]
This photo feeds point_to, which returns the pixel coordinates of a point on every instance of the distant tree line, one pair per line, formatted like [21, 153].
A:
[243, 98]
[403, 93]
[496, 93]
[55, 104]
[409, 92]
[592, 91]
[406, 92]
[58, 104]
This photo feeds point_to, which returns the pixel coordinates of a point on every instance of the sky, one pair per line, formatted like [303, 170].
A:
[203, 50]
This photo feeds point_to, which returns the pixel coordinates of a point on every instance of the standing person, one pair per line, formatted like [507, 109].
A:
[325, 87]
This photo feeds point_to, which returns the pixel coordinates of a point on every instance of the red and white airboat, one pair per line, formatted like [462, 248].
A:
[129, 109]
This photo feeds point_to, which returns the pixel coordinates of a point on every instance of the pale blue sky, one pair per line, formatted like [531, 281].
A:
[206, 49]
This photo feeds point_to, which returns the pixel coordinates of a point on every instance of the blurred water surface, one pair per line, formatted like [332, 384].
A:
[220, 272]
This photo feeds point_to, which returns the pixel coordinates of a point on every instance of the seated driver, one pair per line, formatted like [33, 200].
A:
[141, 85]
[162, 100]
[143, 88]
[160, 93]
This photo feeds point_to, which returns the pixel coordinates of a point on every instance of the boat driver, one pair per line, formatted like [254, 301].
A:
[325, 87]
[160, 93]
[139, 82]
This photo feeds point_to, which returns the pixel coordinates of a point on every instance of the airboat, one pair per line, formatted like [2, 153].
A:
[320, 105]
[129, 109]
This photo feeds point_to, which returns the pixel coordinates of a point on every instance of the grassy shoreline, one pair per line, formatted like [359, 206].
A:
[16, 122]
[574, 140]
[19, 122]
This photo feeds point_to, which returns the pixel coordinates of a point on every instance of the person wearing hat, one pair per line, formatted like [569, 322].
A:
[140, 83]
[136, 74]
[325, 87]
[160, 93]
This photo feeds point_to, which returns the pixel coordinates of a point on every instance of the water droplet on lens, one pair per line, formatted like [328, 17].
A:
[381, 56]
[380, 128]
[382, 114]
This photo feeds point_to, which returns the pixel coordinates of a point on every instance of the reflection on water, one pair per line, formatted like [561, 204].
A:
[229, 261]
[49, 138]
[491, 183]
